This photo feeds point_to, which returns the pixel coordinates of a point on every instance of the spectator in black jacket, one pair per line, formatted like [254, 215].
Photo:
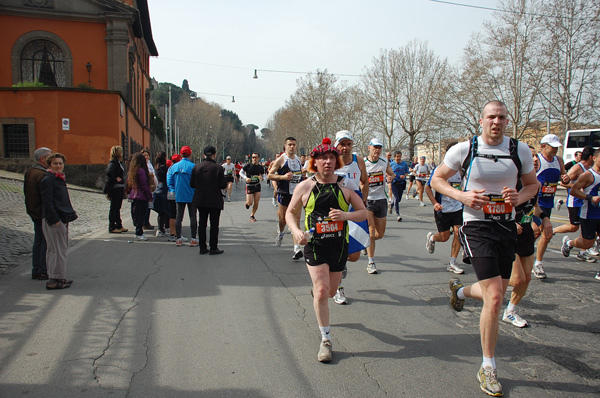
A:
[208, 179]
[114, 189]
[57, 213]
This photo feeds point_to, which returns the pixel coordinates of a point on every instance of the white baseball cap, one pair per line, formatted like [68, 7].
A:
[341, 136]
[376, 142]
[552, 140]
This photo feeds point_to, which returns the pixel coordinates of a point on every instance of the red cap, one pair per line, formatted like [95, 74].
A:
[176, 157]
[185, 151]
[169, 163]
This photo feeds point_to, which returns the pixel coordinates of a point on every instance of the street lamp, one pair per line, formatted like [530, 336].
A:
[88, 66]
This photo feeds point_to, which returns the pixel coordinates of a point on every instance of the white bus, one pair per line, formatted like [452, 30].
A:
[575, 140]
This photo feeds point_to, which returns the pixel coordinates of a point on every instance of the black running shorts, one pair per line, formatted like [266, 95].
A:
[445, 221]
[330, 259]
[284, 199]
[589, 228]
[526, 241]
[490, 247]
[379, 207]
[252, 188]
[574, 213]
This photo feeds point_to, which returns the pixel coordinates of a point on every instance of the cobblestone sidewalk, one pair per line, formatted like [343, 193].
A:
[16, 234]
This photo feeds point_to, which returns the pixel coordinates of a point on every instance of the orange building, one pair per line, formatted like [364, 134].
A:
[93, 59]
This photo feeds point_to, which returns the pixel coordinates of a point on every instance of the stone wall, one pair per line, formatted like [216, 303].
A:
[90, 176]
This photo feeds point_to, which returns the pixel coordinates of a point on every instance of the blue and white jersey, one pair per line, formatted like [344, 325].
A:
[289, 165]
[548, 176]
[351, 174]
[572, 201]
[588, 210]
[449, 205]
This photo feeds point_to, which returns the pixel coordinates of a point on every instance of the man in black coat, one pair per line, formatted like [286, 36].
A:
[208, 179]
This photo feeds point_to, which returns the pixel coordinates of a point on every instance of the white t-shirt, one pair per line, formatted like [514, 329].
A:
[484, 173]
[377, 178]
[229, 169]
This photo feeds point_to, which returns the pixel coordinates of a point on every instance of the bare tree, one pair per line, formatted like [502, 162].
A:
[571, 51]
[422, 75]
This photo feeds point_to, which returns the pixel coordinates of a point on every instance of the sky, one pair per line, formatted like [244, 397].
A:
[217, 44]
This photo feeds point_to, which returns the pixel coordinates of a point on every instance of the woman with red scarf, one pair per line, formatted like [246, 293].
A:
[57, 213]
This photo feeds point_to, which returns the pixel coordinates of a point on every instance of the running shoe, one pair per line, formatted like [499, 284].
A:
[371, 268]
[430, 244]
[414, 194]
[344, 273]
[247, 206]
[422, 204]
[455, 302]
[141, 237]
[565, 248]
[297, 255]
[172, 238]
[559, 204]
[364, 252]
[229, 198]
[594, 250]
[340, 297]
[488, 381]
[178, 242]
[454, 268]
[325, 351]
[406, 196]
[160, 234]
[183, 239]
[597, 276]
[399, 218]
[273, 202]
[279, 239]
[194, 242]
[538, 271]
[252, 218]
[514, 318]
[585, 256]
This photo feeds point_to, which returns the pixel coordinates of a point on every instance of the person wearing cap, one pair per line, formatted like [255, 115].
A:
[253, 173]
[208, 181]
[326, 204]
[551, 171]
[229, 170]
[286, 170]
[377, 207]
[355, 178]
[178, 180]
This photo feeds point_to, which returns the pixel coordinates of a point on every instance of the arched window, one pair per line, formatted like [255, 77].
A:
[42, 56]
[44, 61]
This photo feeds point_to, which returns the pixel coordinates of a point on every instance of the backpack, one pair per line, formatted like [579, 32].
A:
[473, 153]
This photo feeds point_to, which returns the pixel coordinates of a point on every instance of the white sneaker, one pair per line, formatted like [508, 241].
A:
[340, 297]
[593, 251]
[172, 238]
[406, 196]
[597, 276]
[515, 319]
[422, 204]
[538, 271]
[430, 244]
[454, 268]
[371, 268]
[141, 237]
[183, 238]
[160, 234]
[279, 239]
[194, 242]
[585, 256]
[559, 204]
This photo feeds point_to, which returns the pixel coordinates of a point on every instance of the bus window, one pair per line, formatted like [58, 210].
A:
[595, 139]
[578, 140]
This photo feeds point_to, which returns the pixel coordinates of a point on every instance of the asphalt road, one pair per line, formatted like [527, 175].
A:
[148, 319]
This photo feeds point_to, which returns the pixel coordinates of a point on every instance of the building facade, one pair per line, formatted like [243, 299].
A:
[74, 78]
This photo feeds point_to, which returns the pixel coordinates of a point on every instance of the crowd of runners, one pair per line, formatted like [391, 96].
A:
[492, 194]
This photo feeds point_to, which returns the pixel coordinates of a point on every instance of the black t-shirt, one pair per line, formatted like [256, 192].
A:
[253, 171]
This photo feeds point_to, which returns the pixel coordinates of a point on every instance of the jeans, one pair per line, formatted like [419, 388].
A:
[397, 190]
[114, 214]
[179, 218]
[214, 214]
[140, 207]
[38, 252]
